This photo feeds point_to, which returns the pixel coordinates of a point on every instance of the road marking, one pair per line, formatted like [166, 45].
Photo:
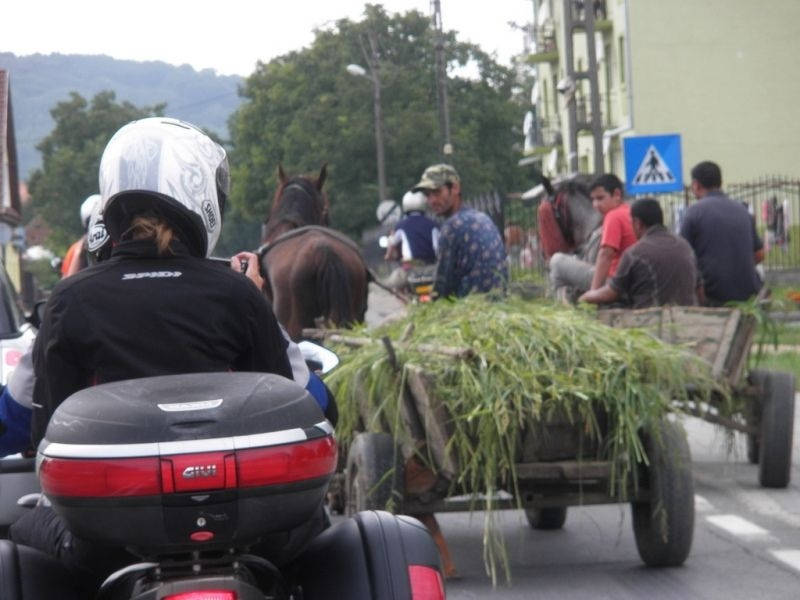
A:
[701, 504]
[789, 556]
[736, 525]
[766, 505]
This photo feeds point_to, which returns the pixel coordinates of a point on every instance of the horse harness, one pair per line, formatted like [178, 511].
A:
[555, 224]
[332, 233]
[264, 248]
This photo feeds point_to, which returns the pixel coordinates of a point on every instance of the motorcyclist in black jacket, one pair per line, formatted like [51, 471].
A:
[156, 306]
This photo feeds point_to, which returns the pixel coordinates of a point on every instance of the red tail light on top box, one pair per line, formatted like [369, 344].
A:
[164, 463]
[205, 595]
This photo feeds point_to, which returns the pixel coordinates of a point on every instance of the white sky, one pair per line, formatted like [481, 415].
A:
[227, 35]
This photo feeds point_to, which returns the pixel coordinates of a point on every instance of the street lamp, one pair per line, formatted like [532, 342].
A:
[373, 75]
[356, 70]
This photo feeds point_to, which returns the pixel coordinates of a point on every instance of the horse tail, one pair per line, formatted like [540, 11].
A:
[335, 290]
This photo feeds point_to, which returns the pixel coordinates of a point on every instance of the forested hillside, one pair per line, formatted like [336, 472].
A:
[39, 82]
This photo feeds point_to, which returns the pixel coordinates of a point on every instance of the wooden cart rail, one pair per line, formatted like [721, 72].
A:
[721, 336]
[425, 417]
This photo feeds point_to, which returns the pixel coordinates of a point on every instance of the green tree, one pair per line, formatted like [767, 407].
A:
[303, 109]
[71, 159]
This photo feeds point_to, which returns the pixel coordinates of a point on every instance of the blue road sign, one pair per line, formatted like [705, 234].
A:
[653, 164]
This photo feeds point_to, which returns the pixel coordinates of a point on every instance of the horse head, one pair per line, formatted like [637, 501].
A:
[298, 201]
[583, 218]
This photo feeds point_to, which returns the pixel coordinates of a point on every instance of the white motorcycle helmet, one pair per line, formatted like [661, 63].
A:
[88, 207]
[414, 201]
[98, 243]
[170, 168]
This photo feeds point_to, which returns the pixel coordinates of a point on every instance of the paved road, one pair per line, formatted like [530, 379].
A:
[746, 541]
[381, 305]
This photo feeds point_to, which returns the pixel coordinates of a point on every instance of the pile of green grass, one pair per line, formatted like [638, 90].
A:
[529, 361]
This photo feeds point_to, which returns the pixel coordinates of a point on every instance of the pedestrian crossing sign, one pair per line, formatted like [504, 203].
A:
[653, 164]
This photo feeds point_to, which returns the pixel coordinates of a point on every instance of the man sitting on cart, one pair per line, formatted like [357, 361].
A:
[569, 271]
[660, 268]
[723, 235]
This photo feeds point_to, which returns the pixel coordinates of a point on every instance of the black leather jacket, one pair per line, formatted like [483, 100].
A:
[139, 315]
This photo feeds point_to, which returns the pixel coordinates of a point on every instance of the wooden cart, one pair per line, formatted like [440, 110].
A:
[724, 337]
[558, 466]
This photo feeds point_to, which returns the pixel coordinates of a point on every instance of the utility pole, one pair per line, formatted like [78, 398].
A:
[594, 124]
[441, 83]
[374, 67]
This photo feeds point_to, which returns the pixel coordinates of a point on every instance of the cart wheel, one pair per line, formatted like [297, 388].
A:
[664, 524]
[374, 474]
[550, 517]
[777, 426]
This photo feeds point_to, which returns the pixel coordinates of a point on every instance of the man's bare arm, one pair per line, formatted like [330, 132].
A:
[602, 266]
[602, 295]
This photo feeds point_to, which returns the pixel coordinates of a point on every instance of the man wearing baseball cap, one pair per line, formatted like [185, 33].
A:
[472, 256]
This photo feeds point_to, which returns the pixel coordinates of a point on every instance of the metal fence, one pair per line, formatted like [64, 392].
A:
[493, 204]
[774, 203]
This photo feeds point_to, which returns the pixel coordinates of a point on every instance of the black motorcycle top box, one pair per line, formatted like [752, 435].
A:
[180, 462]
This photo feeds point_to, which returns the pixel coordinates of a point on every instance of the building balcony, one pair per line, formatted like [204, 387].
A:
[543, 136]
[545, 49]
[542, 57]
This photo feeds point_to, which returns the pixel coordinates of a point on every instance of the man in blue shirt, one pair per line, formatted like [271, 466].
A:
[723, 236]
[472, 256]
[414, 241]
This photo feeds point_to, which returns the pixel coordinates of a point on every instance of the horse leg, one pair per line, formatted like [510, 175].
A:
[432, 525]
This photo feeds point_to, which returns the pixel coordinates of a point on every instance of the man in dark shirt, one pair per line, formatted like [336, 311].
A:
[723, 236]
[659, 269]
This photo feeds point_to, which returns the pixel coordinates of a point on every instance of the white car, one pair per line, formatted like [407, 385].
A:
[16, 334]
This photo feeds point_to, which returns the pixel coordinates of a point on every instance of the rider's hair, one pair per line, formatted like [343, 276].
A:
[707, 174]
[609, 182]
[648, 211]
[151, 227]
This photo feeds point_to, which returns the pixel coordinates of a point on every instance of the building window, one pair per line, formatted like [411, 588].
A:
[621, 53]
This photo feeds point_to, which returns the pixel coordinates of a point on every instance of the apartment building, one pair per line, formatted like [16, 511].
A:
[724, 74]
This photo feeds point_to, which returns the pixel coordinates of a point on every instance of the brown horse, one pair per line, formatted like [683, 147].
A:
[311, 272]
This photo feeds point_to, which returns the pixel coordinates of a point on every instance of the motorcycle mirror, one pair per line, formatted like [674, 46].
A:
[314, 353]
[383, 241]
